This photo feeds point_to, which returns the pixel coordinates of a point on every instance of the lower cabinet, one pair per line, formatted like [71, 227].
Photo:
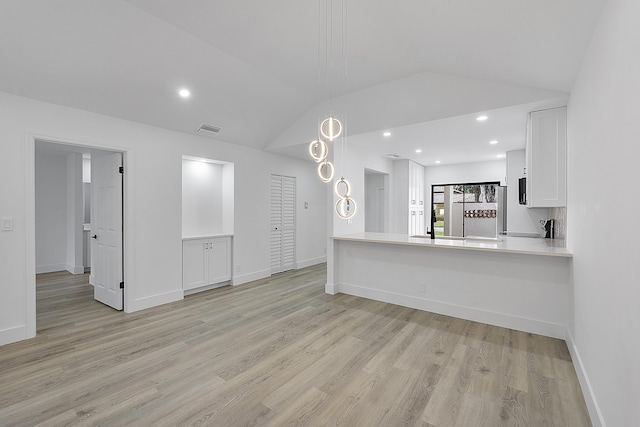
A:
[205, 261]
[416, 222]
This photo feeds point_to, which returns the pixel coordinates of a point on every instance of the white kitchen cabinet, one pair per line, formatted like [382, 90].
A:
[205, 261]
[416, 221]
[546, 158]
[409, 197]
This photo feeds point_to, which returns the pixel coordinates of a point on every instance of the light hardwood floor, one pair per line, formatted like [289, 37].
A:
[278, 352]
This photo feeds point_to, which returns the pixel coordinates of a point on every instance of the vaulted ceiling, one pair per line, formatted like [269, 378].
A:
[252, 65]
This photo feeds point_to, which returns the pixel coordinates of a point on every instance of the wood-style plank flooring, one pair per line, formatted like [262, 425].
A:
[277, 352]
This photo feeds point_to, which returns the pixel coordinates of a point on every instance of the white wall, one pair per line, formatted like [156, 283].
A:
[202, 201]
[51, 212]
[356, 160]
[153, 208]
[75, 264]
[520, 219]
[603, 153]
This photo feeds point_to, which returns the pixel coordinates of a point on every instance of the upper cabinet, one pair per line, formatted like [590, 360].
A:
[546, 158]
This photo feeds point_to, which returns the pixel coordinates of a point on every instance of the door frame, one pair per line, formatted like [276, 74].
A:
[30, 221]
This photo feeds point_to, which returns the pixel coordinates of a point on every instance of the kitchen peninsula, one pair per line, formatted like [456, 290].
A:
[515, 282]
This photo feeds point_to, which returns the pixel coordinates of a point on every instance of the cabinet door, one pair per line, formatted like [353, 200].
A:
[195, 263]
[219, 254]
[413, 184]
[547, 158]
[420, 185]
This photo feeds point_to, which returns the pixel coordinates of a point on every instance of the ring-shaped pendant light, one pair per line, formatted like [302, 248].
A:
[343, 185]
[346, 207]
[331, 128]
[325, 171]
[318, 150]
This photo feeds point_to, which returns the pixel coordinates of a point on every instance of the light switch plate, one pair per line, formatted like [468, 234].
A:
[7, 224]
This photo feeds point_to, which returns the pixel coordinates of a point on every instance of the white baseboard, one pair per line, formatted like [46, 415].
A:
[154, 300]
[310, 262]
[477, 315]
[206, 288]
[77, 269]
[92, 279]
[331, 288]
[239, 279]
[587, 391]
[17, 333]
[50, 268]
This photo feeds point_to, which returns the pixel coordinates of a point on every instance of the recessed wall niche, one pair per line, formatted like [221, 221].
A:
[207, 197]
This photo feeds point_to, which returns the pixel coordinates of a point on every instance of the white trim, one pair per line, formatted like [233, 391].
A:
[587, 391]
[484, 316]
[250, 277]
[30, 236]
[311, 261]
[206, 288]
[10, 335]
[154, 300]
[78, 269]
[331, 288]
[50, 268]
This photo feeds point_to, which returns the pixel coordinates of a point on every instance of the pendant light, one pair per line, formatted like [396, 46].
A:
[331, 128]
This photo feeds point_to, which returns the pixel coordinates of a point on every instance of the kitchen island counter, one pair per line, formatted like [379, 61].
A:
[506, 244]
[518, 282]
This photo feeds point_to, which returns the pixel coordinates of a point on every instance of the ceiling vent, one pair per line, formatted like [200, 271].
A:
[209, 130]
[394, 156]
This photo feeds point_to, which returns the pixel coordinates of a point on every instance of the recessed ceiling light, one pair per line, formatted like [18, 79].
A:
[501, 156]
[418, 151]
[437, 161]
[481, 118]
[184, 93]
[493, 142]
[387, 134]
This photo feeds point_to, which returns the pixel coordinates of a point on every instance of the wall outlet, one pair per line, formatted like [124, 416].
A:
[422, 288]
[7, 224]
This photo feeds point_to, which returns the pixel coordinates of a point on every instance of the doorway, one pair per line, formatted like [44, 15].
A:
[64, 208]
[283, 223]
[376, 211]
[469, 209]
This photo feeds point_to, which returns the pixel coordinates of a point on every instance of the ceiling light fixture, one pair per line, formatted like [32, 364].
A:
[481, 118]
[493, 142]
[331, 128]
[386, 134]
[418, 151]
[438, 162]
[184, 93]
[501, 156]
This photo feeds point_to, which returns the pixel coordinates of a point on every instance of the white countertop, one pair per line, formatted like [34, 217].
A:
[207, 236]
[505, 244]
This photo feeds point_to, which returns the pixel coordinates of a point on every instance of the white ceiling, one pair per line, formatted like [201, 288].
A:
[252, 65]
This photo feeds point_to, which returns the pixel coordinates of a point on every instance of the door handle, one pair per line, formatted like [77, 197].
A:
[95, 236]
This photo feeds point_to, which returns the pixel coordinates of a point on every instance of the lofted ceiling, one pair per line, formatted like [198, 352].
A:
[252, 65]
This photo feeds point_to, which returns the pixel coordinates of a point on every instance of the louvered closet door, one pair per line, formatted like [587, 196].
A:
[283, 226]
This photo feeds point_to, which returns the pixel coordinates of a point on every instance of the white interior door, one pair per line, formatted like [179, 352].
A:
[106, 229]
[283, 226]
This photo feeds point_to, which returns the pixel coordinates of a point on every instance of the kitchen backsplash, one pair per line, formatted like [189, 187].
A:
[559, 215]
